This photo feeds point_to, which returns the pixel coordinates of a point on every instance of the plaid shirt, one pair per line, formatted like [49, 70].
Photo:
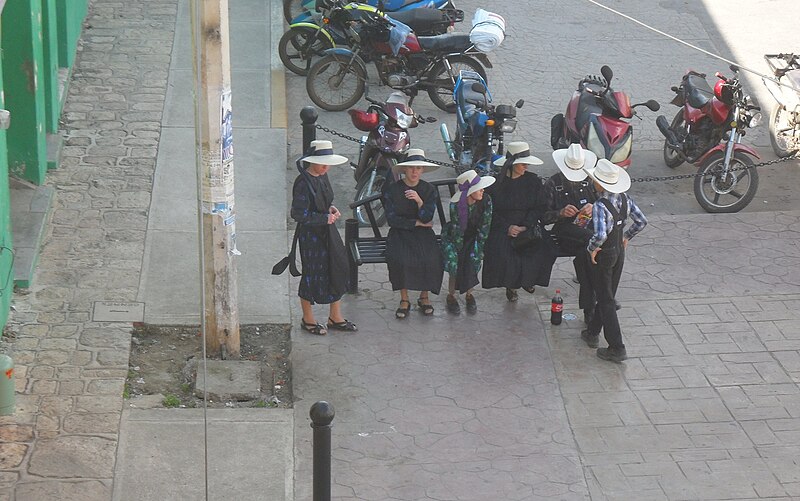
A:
[603, 219]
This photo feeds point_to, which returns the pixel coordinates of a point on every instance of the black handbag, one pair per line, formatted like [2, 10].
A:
[528, 239]
[290, 260]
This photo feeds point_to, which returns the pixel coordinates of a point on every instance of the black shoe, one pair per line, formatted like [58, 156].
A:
[472, 306]
[592, 340]
[511, 295]
[612, 354]
[452, 304]
[617, 305]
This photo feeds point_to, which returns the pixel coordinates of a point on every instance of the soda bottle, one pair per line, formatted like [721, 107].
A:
[556, 307]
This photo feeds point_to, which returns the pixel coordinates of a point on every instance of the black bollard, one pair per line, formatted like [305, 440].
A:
[308, 116]
[321, 416]
[351, 234]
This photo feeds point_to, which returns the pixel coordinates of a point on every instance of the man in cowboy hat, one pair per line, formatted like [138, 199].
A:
[607, 252]
[569, 198]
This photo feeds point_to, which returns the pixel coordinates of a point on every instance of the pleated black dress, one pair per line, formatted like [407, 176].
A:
[412, 253]
[313, 236]
[519, 202]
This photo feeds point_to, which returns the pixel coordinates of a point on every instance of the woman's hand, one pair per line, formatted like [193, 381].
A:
[419, 223]
[413, 195]
[515, 230]
[333, 210]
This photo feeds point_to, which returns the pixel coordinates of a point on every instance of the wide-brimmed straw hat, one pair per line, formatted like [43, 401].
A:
[571, 161]
[521, 151]
[321, 152]
[469, 177]
[415, 157]
[613, 178]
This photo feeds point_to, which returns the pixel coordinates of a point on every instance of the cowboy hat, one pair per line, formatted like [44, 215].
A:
[521, 153]
[469, 177]
[415, 157]
[572, 160]
[610, 176]
[321, 152]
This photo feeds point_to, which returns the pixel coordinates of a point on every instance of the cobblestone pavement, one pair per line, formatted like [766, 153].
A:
[61, 442]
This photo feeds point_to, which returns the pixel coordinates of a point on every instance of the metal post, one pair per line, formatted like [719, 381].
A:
[321, 416]
[351, 235]
[308, 115]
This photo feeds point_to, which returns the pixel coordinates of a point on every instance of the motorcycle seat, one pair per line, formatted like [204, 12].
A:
[698, 92]
[449, 42]
[421, 20]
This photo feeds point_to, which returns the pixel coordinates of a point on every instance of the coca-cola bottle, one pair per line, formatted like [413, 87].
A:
[556, 307]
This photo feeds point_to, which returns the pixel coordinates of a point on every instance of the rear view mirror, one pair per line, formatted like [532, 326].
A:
[520, 103]
[653, 105]
[607, 73]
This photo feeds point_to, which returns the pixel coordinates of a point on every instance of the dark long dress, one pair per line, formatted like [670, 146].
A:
[313, 237]
[519, 202]
[412, 253]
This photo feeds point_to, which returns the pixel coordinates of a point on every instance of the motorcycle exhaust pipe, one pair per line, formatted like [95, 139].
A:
[663, 126]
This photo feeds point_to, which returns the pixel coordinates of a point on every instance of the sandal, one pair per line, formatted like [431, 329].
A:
[402, 312]
[452, 304]
[511, 295]
[344, 325]
[427, 309]
[316, 329]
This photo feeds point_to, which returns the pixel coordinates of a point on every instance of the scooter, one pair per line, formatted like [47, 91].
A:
[326, 28]
[784, 120]
[480, 125]
[707, 131]
[595, 119]
[387, 124]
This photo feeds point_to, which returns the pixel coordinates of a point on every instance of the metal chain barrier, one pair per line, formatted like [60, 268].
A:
[646, 179]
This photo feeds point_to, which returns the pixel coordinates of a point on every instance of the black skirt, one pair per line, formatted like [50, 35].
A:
[414, 260]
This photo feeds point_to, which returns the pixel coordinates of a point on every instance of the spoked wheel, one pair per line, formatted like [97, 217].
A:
[442, 81]
[336, 83]
[671, 157]
[299, 46]
[292, 9]
[366, 187]
[784, 132]
[717, 191]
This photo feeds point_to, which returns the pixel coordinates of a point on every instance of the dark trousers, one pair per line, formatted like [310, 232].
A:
[605, 277]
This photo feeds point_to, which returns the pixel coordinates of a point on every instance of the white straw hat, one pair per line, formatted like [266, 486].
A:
[470, 176]
[415, 156]
[571, 161]
[610, 176]
[321, 152]
[521, 150]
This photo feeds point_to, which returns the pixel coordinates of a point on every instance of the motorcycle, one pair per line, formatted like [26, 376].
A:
[387, 124]
[325, 29]
[784, 121]
[295, 11]
[594, 118]
[480, 125]
[338, 79]
[707, 131]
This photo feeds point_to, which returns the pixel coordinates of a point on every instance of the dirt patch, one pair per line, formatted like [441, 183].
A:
[165, 359]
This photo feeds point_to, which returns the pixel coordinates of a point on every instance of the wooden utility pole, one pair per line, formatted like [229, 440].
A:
[214, 146]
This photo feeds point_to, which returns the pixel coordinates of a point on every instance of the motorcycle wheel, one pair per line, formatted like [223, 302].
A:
[782, 133]
[292, 9]
[299, 46]
[364, 189]
[671, 157]
[729, 193]
[441, 80]
[332, 85]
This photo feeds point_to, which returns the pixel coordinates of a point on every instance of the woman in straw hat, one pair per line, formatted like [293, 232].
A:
[464, 236]
[607, 253]
[519, 203]
[323, 280]
[412, 253]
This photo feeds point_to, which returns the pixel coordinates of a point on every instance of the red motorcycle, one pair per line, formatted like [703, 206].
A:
[387, 123]
[594, 118]
[708, 131]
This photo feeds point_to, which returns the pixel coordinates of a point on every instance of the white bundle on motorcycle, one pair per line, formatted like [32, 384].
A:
[488, 30]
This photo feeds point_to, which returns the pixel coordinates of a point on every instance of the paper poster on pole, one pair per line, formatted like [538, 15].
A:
[226, 129]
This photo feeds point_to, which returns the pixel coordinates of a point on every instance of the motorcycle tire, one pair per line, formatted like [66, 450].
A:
[332, 73]
[364, 190]
[709, 187]
[292, 9]
[299, 46]
[782, 135]
[441, 82]
[671, 158]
